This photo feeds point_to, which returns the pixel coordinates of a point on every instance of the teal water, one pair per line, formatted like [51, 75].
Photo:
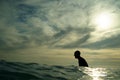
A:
[34, 71]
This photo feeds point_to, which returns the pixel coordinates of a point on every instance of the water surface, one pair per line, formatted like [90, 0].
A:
[34, 71]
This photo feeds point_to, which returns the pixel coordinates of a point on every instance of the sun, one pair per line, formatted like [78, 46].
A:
[103, 21]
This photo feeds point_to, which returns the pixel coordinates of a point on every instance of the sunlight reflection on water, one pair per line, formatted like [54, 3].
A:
[94, 73]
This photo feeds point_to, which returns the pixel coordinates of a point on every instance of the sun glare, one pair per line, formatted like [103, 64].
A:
[96, 73]
[103, 21]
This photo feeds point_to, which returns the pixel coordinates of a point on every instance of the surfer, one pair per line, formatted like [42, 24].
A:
[81, 60]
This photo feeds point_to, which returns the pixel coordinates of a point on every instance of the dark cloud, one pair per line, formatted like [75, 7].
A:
[25, 11]
[111, 42]
[76, 44]
[82, 35]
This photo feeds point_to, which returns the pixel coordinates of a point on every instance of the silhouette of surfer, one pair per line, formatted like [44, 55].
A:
[81, 61]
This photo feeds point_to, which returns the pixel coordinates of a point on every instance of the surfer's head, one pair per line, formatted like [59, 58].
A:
[77, 54]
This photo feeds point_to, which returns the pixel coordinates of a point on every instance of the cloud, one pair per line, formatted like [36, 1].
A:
[51, 23]
[107, 43]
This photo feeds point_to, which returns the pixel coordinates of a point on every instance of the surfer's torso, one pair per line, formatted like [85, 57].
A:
[82, 62]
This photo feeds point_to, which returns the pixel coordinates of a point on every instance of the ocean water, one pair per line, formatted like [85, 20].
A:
[34, 71]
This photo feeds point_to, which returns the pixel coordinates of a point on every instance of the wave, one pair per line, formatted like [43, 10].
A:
[34, 71]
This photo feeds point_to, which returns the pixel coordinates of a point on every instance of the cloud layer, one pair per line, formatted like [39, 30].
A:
[56, 24]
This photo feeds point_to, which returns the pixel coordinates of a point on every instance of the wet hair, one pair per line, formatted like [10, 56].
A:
[77, 53]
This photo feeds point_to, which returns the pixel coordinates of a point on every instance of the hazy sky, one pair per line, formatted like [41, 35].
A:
[49, 31]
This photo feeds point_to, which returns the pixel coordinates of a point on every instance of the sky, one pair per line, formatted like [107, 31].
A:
[49, 31]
